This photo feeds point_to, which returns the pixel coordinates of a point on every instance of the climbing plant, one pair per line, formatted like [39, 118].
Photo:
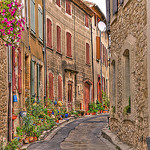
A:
[11, 22]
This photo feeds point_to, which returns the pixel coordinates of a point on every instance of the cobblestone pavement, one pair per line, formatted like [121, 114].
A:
[81, 134]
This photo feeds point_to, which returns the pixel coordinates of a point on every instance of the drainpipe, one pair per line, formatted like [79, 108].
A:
[10, 94]
[92, 58]
[44, 50]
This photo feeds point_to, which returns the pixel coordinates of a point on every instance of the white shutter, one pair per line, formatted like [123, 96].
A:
[23, 8]
[32, 15]
[40, 22]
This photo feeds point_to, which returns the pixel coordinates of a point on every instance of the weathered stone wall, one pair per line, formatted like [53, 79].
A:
[3, 94]
[128, 32]
[58, 62]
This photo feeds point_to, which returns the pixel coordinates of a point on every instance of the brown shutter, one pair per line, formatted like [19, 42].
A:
[68, 7]
[19, 70]
[58, 2]
[87, 54]
[49, 33]
[86, 21]
[13, 70]
[59, 88]
[51, 96]
[115, 6]
[68, 35]
[58, 39]
[98, 48]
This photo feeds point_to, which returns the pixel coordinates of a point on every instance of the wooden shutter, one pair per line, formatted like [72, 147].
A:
[121, 2]
[87, 54]
[38, 80]
[98, 48]
[58, 2]
[106, 58]
[108, 11]
[68, 7]
[19, 71]
[40, 22]
[49, 33]
[115, 6]
[68, 35]
[32, 15]
[32, 78]
[51, 86]
[58, 39]
[95, 19]
[59, 88]
[86, 21]
[13, 70]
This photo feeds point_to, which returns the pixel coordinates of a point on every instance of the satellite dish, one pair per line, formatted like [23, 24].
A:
[102, 26]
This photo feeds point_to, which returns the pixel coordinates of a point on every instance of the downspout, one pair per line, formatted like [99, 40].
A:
[10, 94]
[44, 51]
[92, 58]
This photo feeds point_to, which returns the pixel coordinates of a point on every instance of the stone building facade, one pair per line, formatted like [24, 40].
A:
[69, 74]
[129, 71]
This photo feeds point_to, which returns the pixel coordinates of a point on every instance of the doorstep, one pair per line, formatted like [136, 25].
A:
[107, 134]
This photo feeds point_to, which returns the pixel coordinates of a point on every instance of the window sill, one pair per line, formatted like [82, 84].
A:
[33, 34]
[70, 16]
[69, 57]
[114, 18]
[40, 41]
[59, 53]
[88, 65]
[86, 27]
[49, 48]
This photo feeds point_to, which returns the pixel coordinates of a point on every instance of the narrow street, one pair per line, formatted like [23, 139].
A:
[81, 134]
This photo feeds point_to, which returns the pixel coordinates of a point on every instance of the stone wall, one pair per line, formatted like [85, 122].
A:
[3, 94]
[57, 63]
[128, 32]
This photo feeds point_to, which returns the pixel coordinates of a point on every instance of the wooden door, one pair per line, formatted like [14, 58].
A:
[86, 96]
[69, 96]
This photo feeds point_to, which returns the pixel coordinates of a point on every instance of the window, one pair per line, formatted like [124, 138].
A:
[58, 3]
[49, 33]
[38, 81]
[68, 37]
[98, 48]
[40, 22]
[51, 86]
[32, 16]
[68, 7]
[59, 88]
[87, 54]
[58, 39]
[86, 21]
[32, 78]
[19, 70]
[115, 6]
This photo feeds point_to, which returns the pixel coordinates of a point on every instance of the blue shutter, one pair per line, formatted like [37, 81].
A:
[32, 79]
[40, 22]
[32, 16]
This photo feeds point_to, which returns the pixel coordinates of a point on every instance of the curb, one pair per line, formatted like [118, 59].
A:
[107, 134]
[52, 132]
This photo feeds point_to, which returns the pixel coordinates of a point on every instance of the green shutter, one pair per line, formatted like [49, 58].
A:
[40, 22]
[32, 78]
[32, 16]
[38, 80]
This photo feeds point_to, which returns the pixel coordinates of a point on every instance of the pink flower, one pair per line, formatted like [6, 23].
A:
[22, 28]
[8, 32]
[11, 29]
[9, 5]
[9, 10]
[4, 33]
[4, 10]
[5, 19]
[2, 21]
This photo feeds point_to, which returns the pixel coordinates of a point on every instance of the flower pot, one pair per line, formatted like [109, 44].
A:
[93, 113]
[88, 113]
[57, 121]
[14, 117]
[26, 140]
[31, 139]
[35, 138]
[66, 115]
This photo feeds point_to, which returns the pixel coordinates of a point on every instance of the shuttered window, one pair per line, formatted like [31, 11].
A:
[49, 33]
[27, 20]
[98, 48]
[40, 22]
[32, 15]
[103, 54]
[68, 7]
[32, 79]
[58, 3]
[86, 21]
[58, 39]
[68, 37]
[108, 11]
[38, 81]
[115, 6]
[23, 8]
[59, 88]
[87, 54]
[19, 71]
[51, 86]
[13, 70]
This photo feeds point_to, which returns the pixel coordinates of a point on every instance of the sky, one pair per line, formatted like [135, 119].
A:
[101, 4]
